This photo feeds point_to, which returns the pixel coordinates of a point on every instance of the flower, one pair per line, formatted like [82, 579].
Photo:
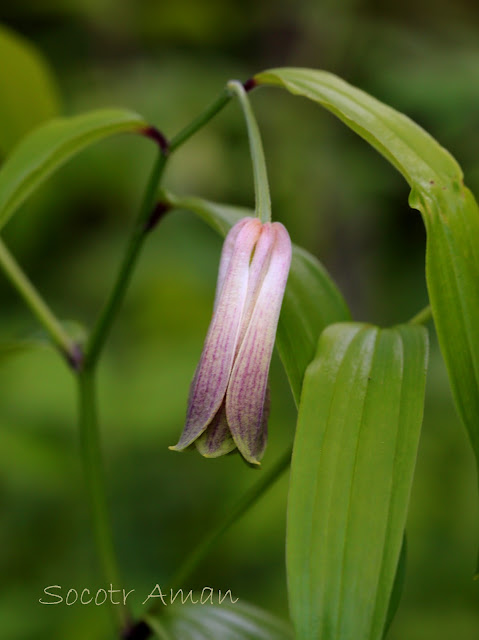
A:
[228, 403]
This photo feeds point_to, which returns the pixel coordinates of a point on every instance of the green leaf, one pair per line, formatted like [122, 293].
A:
[28, 94]
[50, 146]
[452, 270]
[311, 300]
[449, 210]
[351, 474]
[227, 621]
[406, 145]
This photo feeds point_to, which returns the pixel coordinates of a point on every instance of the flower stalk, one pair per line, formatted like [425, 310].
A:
[260, 174]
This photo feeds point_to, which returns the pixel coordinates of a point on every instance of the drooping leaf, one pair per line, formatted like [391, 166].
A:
[311, 300]
[51, 145]
[448, 208]
[351, 474]
[28, 94]
[225, 621]
[405, 144]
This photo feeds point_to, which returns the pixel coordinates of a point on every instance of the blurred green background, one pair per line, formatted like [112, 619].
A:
[338, 198]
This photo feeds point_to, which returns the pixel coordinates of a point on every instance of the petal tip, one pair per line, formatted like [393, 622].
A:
[256, 464]
[249, 458]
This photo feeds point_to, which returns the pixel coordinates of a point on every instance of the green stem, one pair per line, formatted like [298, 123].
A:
[261, 186]
[423, 316]
[38, 306]
[88, 419]
[200, 121]
[89, 432]
[103, 326]
[245, 502]
[93, 469]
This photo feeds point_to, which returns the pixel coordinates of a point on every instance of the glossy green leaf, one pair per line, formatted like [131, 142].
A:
[352, 468]
[51, 145]
[227, 621]
[407, 146]
[28, 94]
[449, 210]
[311, 300]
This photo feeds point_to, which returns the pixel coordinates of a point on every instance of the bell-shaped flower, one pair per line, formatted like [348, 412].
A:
[228, 404]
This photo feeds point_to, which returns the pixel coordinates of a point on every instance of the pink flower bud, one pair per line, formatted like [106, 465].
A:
[228, 403]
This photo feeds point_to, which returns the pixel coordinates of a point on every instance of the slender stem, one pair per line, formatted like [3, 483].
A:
[201, 120]
[93, 469]
[38, 306]
[245, 502]
[102, 328]
[147, 218]
[423, 316]
[142, 629]
[89, 432]
[261, 186]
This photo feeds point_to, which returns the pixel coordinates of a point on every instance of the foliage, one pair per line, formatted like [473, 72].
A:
[368, 383]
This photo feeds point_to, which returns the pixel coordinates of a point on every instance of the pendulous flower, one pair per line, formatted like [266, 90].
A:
[228, 404]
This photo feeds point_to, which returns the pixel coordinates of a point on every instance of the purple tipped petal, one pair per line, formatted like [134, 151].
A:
[216, 440]
[245, 397]
[211, 378]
